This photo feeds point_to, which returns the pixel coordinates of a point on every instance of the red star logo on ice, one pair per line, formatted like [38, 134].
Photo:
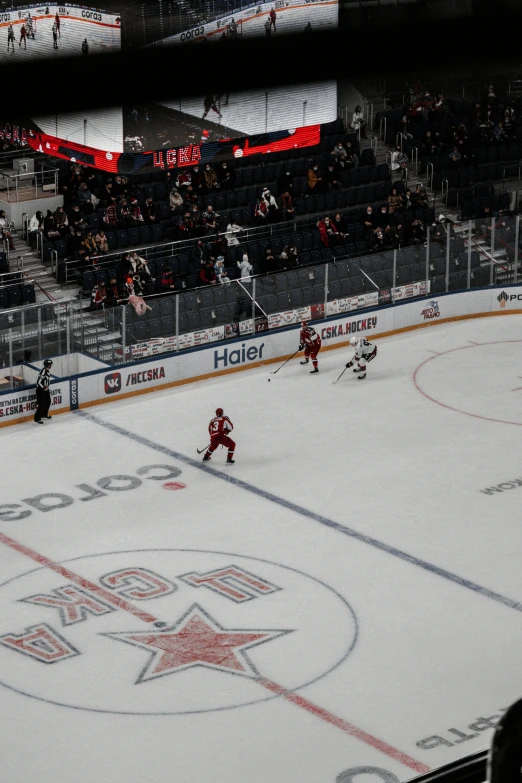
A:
[196, 640]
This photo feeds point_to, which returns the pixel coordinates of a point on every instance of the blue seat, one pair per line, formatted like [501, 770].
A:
[154, 328]
[15, 296]
[133, 235]
[111, 240]
[28, 295]
[122, 240]
[157, 233]
[145, 235]
[160, 191]
[88, 282]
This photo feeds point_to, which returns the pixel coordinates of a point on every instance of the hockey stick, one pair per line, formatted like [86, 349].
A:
[280, 368]
[341, 375]
[200, 451]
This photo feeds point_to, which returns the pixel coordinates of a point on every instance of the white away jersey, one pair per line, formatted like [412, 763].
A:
[363, 347]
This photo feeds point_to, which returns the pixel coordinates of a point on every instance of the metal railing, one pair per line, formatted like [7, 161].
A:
[26, 186]
[383, 126]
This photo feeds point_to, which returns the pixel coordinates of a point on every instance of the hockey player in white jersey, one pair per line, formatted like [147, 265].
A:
[365, 351]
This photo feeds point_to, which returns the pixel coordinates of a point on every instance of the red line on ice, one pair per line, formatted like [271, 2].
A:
[295, 698]
[79, 580]
[349, 728]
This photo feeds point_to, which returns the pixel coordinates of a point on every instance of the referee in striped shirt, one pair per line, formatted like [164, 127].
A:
[43, 395]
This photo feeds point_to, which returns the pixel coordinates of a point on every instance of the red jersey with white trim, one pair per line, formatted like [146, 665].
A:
[220, 425]
[310, 338]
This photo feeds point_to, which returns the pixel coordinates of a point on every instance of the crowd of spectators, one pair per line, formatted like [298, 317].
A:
[457, 130]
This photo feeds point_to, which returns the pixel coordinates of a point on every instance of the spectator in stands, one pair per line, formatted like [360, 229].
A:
[140, 267]
[341, 153]
[84, 196]
[226, 176]
[407, 199]
[104, 194]
[271, 204]
[135, 213]
[198, 181]
[369, 221]
[167, 280]
[315, 179]
[176, 201]
[98, 297]
[420, 197]
[110, 217]
[405, 127]
[245, 268]
[210, 220]
[218, 246]
[75, 218]
[267, 262]
[36, 225]
[383, 219]
[329, 232]
[232, 230]
[123, 268]
[198, 225]
[207, 275]
[197, 255]
[394, 201]
[285, 183]
[89, 243]
[396, 235]
[287, 206]
[260, 212]
[102, 246]
[499, 133]
[331, 177]
[377, 240]
[149, 212]
[455, 157]
[50, 230]
[184, 179]
[353, 158]
[292, 256]
[61, 222]
[417, 232]
[358, 122]
[342, 226]
[211, 180]
[113, 293]
[399, 162]
[220, 271]
[190, 197]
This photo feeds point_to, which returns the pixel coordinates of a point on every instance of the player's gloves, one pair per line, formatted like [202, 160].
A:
[301, 346]
[350, 364]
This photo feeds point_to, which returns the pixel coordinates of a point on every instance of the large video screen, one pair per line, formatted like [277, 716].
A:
[198, 124]
[54, 30]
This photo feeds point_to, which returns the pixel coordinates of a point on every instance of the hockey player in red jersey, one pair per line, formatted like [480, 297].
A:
[311, 342]
[219, 428]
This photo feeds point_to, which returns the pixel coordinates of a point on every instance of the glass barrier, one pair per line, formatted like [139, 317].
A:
[447, 257]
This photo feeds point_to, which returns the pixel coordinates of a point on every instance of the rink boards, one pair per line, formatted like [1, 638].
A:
[207, 361]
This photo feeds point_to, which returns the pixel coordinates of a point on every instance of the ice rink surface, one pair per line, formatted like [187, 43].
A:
[343, 599]
[101, 37]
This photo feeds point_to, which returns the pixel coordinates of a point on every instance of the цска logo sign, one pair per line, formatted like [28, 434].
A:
[112, 383]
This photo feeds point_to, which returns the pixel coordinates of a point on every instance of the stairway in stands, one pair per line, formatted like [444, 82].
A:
[25, 259]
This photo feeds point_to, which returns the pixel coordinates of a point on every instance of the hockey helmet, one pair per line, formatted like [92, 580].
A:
[219, 411]
[48, 363]
[353, 341]
[304, 324]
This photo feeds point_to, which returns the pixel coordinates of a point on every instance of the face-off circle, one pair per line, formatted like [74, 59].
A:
[192, 631]
[465, 380]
